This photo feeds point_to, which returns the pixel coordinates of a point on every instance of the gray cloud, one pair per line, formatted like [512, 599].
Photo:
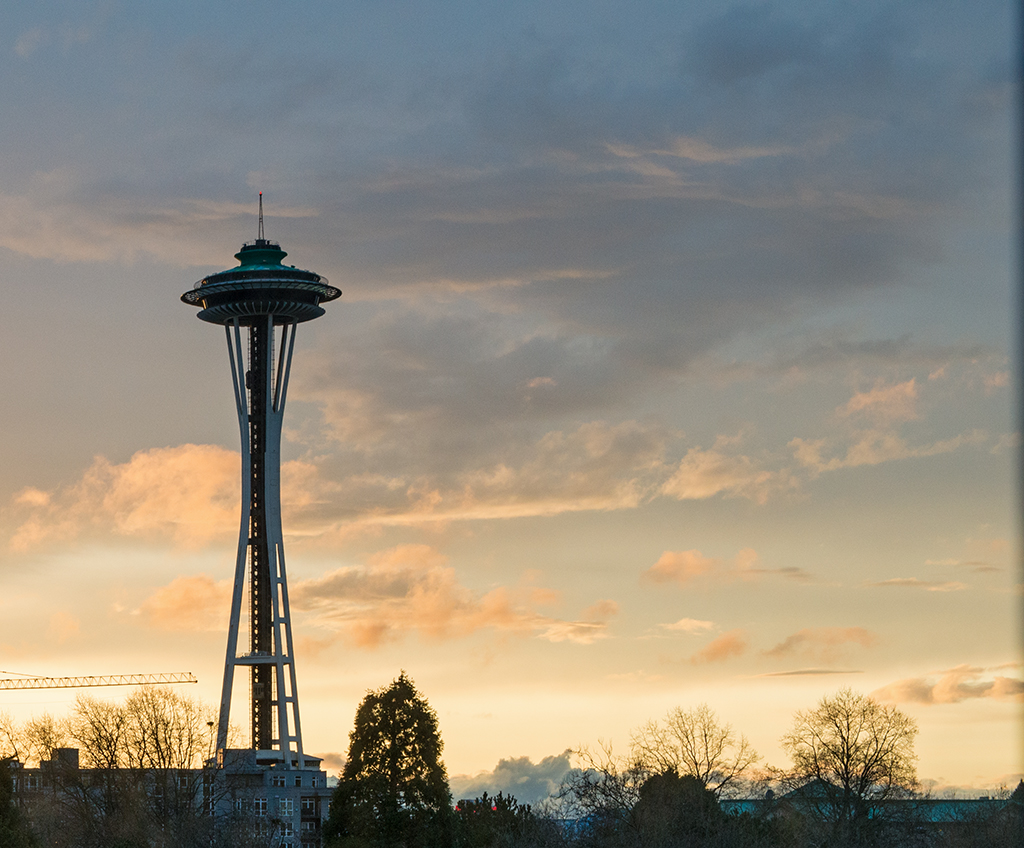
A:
[536, 231]
[527, 781]
[514, 173]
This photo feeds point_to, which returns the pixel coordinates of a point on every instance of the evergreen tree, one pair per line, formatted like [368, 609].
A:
[494, 822]
[675, 810]
[393, 792]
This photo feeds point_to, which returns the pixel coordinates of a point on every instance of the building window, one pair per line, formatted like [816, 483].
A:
[309, 806]
[259, 806]
[309, 826]
[287, 831]
[277, 780]
[31, 781]
[316, 781]
[286, 807]
[298, 780]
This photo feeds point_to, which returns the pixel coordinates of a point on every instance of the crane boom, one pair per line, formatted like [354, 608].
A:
[109, 680]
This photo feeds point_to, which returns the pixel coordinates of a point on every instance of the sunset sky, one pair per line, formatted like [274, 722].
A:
[674, 365]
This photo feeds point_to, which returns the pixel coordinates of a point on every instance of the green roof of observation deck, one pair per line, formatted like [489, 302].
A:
[261, 286]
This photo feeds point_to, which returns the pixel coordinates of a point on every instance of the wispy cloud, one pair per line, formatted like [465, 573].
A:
[810, 672]
[594, 467]
[705, 473]
[700, 151]
[822, 643]
[1006, 442]
[55, 219]
[729, 645]
[915, 583]
[961, 683]
[896, 402]
[874, 447]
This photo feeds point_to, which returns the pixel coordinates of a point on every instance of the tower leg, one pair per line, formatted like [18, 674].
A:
[234, 340]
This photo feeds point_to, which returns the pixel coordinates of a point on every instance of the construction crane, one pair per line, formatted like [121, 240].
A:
[109, 680]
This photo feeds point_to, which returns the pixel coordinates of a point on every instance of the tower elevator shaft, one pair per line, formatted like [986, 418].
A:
[261, 641]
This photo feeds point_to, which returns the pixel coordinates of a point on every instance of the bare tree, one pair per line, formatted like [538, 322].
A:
[44, 735]
[602, 790]
[99, 728]
[12, 738]
[697, 743]
[166, 730]
[850, 756]
[145, 780]
[155, 728]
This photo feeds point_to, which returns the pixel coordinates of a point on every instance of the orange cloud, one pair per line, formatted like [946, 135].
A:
[581, 632]
[680, 567]
[890, 403]
[728, 645]
[189, 603]
[692, 626]
[822, 643]
[952, 686]
[684, 566]
[411, 588]
[705, 473]
[32, 497]
[188, 493]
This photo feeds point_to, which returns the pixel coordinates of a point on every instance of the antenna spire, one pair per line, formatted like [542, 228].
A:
[260, 234]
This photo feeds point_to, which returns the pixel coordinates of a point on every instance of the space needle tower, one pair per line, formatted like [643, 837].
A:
[259, 304]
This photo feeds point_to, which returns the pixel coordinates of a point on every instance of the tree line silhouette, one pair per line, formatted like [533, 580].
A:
[688, 780]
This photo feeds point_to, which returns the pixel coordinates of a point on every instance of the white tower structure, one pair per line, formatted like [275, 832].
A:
[260, 303]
